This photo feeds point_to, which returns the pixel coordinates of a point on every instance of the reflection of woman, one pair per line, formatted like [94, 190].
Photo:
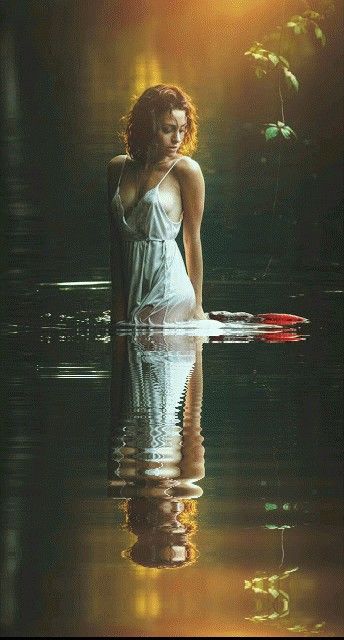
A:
[156, 458]
[163, 529]
[151, 190]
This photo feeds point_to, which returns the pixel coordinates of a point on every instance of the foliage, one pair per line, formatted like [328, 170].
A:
[273, 130]
[268, 62]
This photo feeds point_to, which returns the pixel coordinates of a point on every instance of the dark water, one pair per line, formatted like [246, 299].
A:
[168, 485]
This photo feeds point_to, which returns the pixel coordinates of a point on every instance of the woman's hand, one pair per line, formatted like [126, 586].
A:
[199, 313]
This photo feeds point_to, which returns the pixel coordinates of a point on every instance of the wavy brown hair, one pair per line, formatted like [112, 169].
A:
[141, 123]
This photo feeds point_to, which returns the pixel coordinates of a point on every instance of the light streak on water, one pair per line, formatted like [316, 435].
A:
[86, 283]
[66, 372]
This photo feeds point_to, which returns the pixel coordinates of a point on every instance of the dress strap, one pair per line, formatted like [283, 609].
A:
[170, 169]
[120, 175]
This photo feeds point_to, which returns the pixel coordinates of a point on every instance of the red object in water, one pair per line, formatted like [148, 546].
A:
[279, 318]
[281, 336]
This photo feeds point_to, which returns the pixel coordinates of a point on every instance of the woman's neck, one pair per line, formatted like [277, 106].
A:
[158, 163]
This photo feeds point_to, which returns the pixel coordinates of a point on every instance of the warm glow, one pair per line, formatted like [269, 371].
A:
[147, 604]
[147, 73]
[142, 573]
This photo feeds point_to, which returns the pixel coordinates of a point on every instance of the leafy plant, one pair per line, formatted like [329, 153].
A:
[267, 61]
[273, 130]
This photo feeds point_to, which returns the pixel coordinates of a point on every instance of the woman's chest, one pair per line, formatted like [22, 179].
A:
[166, 196]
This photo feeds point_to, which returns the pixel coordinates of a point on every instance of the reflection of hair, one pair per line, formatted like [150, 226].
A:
[142, 120]
[160, 543]
[150, 555]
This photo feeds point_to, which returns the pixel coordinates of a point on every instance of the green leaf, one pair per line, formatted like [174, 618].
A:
[273, 57]
[298, 24]
[284, 61]
[256, 47]
[287, 132]
[271, 132]
[291, 132]
[291, 80]
[320, 35]
[270, 506]
[259, 56]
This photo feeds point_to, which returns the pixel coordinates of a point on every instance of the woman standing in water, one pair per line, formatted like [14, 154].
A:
[150, 191]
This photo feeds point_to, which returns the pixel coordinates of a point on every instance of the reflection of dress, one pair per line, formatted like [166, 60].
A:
[157, 286]
[154, 454]
[157, 454]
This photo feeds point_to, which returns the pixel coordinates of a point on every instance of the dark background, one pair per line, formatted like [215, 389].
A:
[69, 71]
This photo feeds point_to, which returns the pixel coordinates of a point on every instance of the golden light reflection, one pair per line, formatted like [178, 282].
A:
[147, 604]
[147, 72]
[142, 573]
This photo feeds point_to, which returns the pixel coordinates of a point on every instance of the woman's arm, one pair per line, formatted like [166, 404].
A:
[192, 192]
[118, 302]
[192, 462]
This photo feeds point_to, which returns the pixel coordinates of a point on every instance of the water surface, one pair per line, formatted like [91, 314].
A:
[149, 478]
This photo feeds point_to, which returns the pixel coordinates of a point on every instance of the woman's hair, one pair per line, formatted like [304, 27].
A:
[141, 123]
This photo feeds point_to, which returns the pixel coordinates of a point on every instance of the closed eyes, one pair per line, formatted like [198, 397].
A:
[170, 129]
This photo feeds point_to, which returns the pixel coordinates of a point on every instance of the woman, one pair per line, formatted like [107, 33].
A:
[150, 191]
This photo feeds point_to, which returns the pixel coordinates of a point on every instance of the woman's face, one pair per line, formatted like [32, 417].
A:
[171, 132]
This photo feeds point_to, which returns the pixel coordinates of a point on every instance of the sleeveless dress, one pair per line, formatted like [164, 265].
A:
[157, 287]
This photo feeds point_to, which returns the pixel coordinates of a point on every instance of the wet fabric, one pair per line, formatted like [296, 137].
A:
[157, 287]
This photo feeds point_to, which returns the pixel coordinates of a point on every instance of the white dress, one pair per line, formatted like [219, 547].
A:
[157, 286]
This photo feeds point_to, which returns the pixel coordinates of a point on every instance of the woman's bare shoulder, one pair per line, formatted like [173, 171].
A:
[187, 167]
[114, 163]
[189, 173]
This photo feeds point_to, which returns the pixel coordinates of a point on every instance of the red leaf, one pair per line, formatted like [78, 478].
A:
[280, 318]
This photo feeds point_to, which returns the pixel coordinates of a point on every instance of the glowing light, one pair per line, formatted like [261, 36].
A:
[147, 604]
[147, 73]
